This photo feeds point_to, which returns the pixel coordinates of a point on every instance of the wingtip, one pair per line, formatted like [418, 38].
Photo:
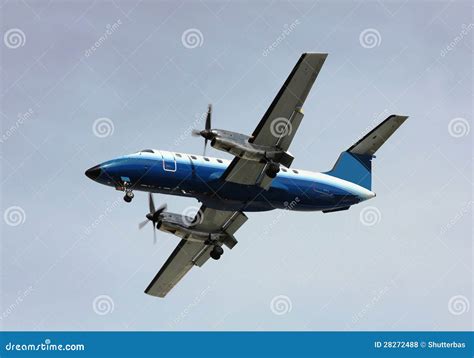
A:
[320, 54]
[401, 117]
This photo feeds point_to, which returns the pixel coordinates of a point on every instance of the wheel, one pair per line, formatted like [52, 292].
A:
[217, 252]
[272, 170]
[127, 198]
[129, 194]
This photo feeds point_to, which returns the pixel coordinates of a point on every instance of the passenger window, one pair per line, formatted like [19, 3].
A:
[178, 155]
[284, 170]
[295, 171]
[206, 159]
[193, 157]
[220, 161]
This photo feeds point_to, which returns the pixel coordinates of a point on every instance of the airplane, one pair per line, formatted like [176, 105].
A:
[258, 178]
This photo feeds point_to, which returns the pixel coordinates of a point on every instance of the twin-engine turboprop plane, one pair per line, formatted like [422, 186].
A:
[259, 178]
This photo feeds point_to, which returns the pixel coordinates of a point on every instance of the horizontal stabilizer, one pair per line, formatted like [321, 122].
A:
[372, 141]
[355, 164]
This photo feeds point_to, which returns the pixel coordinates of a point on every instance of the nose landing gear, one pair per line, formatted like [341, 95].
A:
[217, 252]
[128, 192]
[128, 196]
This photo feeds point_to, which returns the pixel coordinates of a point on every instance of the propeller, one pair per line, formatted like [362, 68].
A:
[153, 215]
[206, 132]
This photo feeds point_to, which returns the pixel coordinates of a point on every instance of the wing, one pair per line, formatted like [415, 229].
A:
[280, 122]
[189, 253]
[289, 101]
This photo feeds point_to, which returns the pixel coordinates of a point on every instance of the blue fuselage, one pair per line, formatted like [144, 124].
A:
[200, 177]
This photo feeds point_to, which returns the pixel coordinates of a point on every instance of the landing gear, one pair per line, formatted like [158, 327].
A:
[217, 252]
[128, 193]
[128, 196]
[272, 170]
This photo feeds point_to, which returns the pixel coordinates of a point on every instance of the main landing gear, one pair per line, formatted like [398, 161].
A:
[128, 193]
[272, 169]
[217, 252]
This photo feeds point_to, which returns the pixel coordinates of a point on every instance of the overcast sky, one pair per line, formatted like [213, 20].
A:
[72, 256]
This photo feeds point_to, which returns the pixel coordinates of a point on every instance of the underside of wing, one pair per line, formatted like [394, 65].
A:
[247, 172]
[282, 119]
[277, 128]
[191, 252]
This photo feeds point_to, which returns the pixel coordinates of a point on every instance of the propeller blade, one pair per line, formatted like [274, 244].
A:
[151, 203]
[154, 234]
[208, 117]
[205, 146]
[157, 213]
[196, 133]
[142, 224]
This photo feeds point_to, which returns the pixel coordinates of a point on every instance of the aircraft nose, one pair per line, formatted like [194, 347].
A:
[94, 172]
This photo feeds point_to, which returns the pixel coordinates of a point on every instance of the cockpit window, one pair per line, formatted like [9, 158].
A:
[147, 151]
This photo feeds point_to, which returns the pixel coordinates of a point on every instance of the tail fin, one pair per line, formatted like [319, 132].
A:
[355, 164]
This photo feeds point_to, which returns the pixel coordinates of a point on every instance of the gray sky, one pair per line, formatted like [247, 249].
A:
[72, 257]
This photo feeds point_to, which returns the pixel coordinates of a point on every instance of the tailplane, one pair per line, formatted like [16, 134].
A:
[355, 164]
